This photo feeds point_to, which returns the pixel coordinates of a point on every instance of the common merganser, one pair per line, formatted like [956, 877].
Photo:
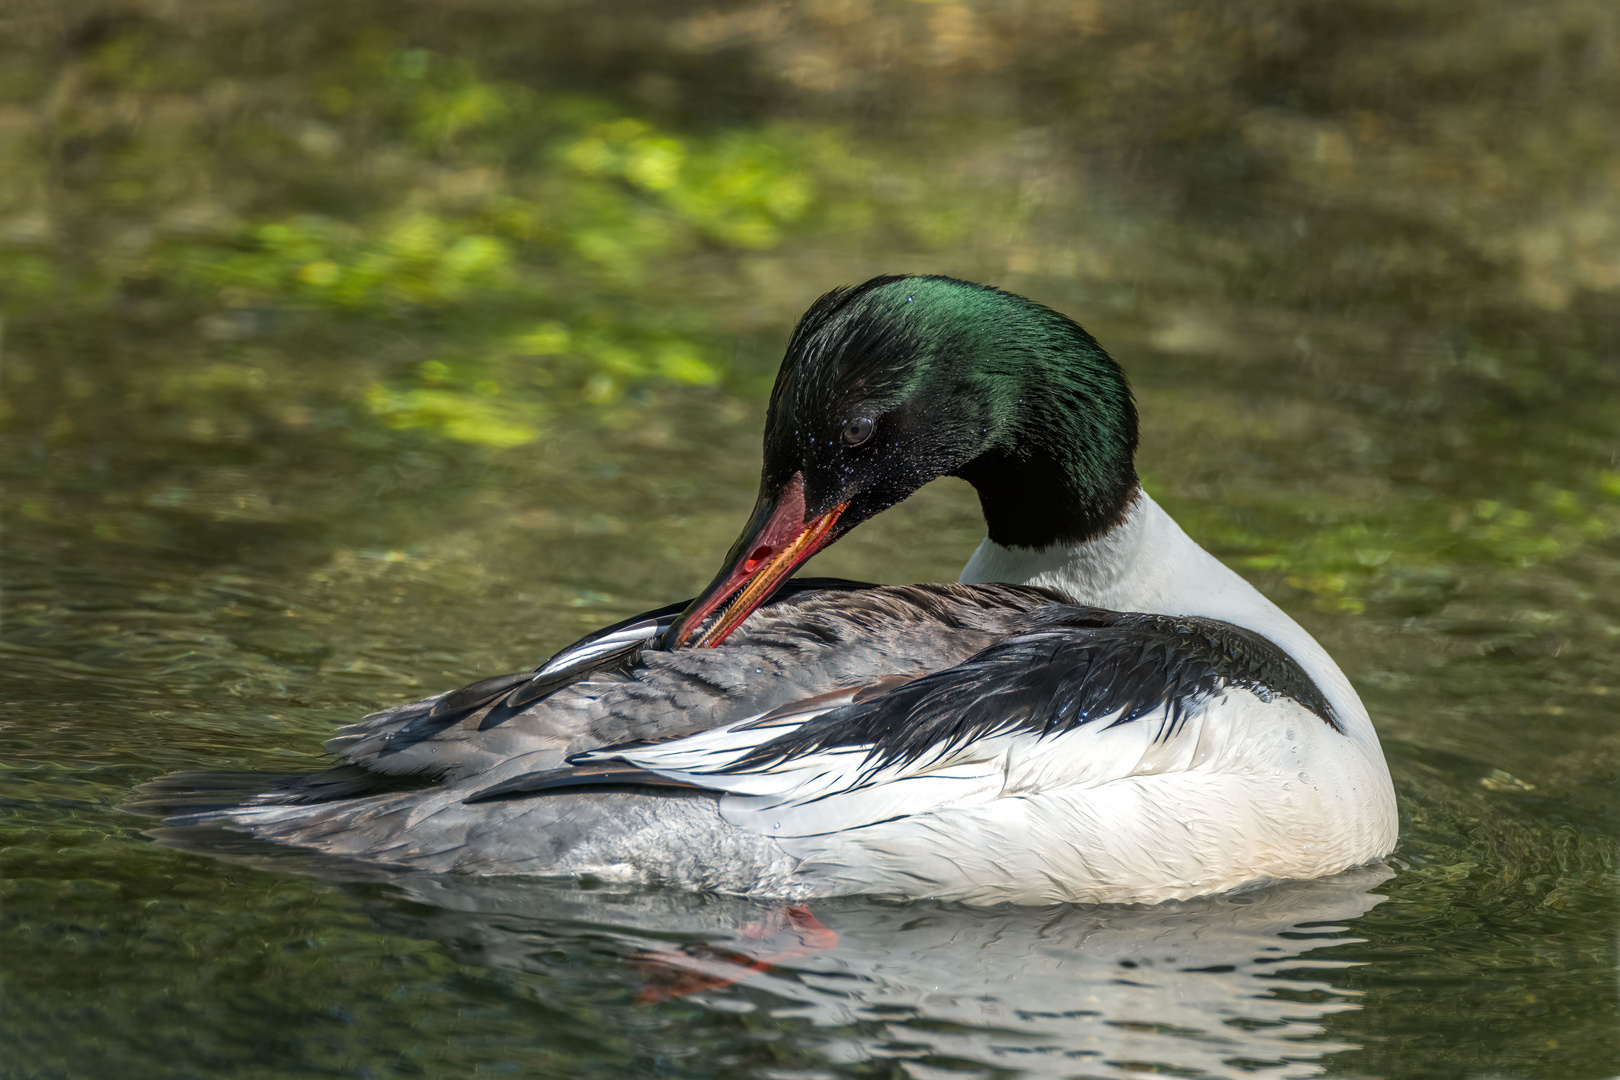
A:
[1099, 711]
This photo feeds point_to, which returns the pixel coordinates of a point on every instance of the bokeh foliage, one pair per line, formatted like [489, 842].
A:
[396, 187]
[461, 222]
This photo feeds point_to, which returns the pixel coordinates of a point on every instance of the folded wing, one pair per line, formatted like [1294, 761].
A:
[1074, 697]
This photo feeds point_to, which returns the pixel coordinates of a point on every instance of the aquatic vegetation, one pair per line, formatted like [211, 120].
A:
[378, 237]
[505, 227]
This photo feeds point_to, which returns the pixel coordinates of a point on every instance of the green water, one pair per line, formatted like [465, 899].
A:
[350, 354]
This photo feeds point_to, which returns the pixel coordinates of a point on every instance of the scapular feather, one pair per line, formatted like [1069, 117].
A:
[1066, 667]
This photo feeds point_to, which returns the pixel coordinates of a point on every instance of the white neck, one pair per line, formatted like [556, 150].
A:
[1147, 563]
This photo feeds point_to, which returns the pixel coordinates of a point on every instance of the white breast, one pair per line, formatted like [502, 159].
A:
[1283, 796]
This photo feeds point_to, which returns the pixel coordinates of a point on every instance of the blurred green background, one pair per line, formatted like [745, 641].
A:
[254, 231]
[350, 351]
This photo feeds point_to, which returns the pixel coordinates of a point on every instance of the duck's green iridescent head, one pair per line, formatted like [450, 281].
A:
[893, 383]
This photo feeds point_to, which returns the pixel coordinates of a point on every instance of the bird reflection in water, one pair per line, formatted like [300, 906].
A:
[1048, 991]
[785, 934]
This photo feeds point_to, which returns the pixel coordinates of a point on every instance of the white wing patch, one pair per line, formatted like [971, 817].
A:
[590, 650]
[831, 789]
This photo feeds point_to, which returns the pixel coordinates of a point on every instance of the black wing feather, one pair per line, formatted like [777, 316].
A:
[610, 774]
[1066, 667]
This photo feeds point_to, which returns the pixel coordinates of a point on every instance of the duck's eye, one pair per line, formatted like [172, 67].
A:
[858, 431]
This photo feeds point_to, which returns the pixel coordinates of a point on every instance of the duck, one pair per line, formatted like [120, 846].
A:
[1098, 711]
